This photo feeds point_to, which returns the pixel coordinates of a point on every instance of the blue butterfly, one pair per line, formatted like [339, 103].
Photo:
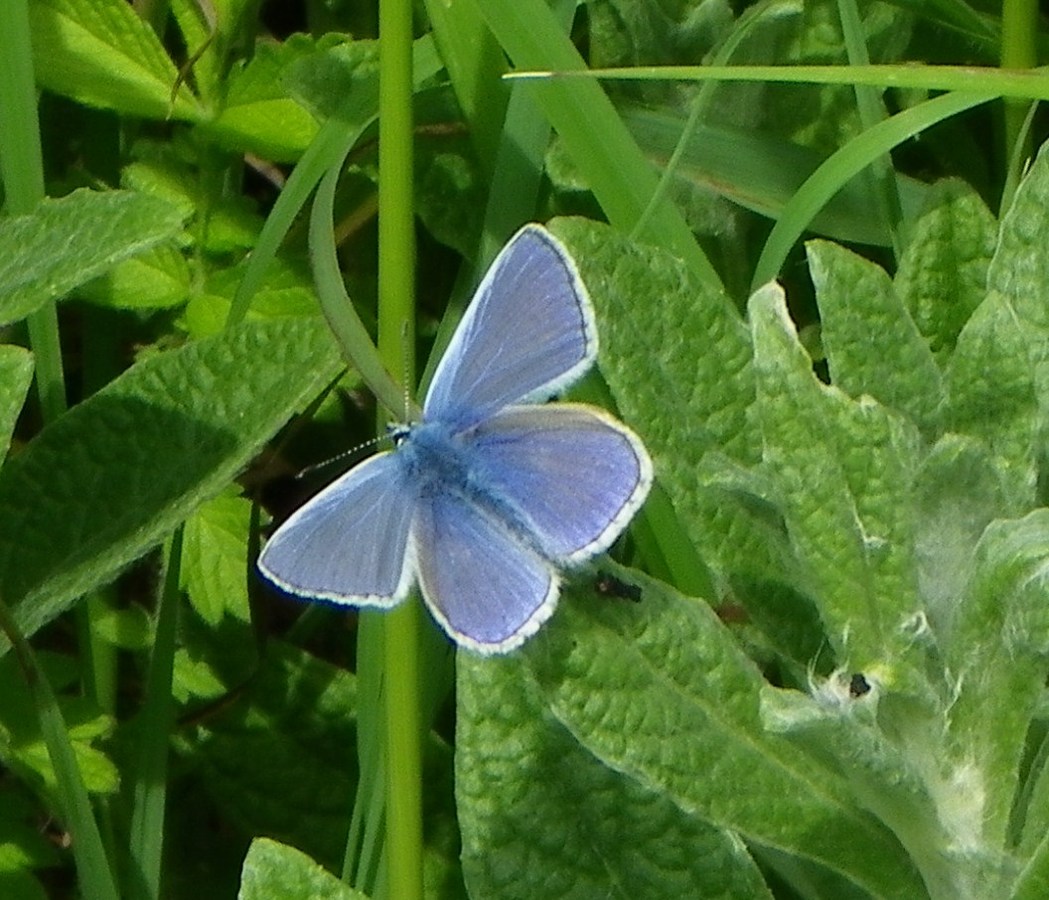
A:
[484, 499]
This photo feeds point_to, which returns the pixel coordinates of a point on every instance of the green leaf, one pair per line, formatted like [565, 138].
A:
[835, 725]
[616, 171]
[69, 241]
[295, 726]
[288, 292]
[999, 373]
[661, 692]
[561, 823]
[1033, 881]
[16, 373]
[22, 844]
[214, 548]
[958, 493]
[942, 276]
[273, 870]
[229, 223]
[844, 471]
[128, 628]
[23, 746]
[20, 885]
[997, 655]
[102, 53]
[259, 115]
[762, 172]
[108, 480]
[156, 279]
[872, 345]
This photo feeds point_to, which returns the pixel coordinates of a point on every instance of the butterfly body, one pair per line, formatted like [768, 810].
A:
[484, 499]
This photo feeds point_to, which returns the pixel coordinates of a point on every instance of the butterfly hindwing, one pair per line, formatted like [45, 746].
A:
[349, 544]
[576, 474]
[487, 589]
[528, 333]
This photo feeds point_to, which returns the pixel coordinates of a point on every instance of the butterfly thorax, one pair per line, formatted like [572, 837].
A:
[440, 461]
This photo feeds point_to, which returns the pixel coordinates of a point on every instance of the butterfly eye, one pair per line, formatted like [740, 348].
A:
[398, 432]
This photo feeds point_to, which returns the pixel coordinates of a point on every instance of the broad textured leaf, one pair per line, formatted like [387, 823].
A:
[999, 373]
[108, 480]
[998, 655]
[102, 53]
[561, 823]
[272, 869]
[69, 241]
[942, 275]
[660, 691]
[873, 347]
[844, 471]
[16, 373]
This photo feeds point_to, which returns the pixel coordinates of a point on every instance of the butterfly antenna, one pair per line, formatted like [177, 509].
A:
[406, 375]
[332, 460]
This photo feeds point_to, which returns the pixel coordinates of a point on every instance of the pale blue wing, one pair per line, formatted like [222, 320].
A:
[576, 475]
[528, 333]
[349, 543]
[487, 589]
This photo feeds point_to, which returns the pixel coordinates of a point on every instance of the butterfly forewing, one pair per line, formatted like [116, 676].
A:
[485, 587]
[528, 333]
[575, 474]
[349, 544]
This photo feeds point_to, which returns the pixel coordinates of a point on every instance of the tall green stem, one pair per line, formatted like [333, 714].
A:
[396, 343]
[22, 170]
[1019, 51]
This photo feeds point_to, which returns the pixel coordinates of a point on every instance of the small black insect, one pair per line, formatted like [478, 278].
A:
[858, 685]
[610, 586]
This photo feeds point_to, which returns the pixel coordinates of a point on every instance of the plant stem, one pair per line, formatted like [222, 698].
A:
[396, 343]
[1019, 51]
[150, 797]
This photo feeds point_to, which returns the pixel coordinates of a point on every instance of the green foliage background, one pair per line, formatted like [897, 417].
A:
[834, 682]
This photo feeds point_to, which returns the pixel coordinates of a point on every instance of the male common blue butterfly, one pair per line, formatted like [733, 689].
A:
[492, 491]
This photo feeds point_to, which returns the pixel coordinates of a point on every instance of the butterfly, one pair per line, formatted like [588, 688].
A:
[485, 499]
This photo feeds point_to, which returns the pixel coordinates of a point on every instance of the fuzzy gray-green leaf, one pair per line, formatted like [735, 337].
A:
[661, 691]
[999, 373]
[843, 470]
[942, 276]
[873, 347]
[601, 832]
[997, 653]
